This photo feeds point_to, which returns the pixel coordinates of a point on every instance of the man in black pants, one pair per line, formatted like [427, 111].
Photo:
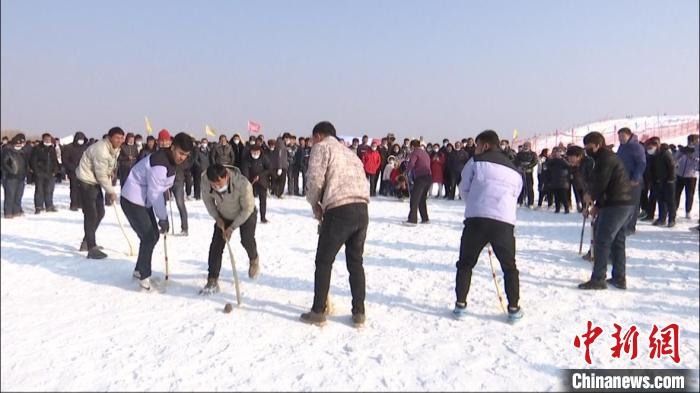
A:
[337, 191]
[143, 200]
[489, 177]
[419, 165]
[228, 197]
[256, 168]
[95, 171]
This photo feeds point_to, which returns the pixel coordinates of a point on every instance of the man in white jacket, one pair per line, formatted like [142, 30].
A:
[94, 173]
[490, 187]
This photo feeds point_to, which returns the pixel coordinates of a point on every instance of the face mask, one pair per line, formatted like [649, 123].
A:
[272, 148]
[236, 140]
[222, 188]
[503, 146]
[436, 149]
[81, 141]
[204, 145]
[255, 156]
[651, 151]
[139, 143]
[48, 144]
[444, 144]
[374, 148]
[18, 147]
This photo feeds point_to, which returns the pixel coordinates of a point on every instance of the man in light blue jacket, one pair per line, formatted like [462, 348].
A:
[490, 187]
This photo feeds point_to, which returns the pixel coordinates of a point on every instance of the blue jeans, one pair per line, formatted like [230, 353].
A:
[636, 198]
[609, 243]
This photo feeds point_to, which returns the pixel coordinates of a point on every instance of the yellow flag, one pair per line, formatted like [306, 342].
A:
[515, 133]
[149, 129]
[210, 131]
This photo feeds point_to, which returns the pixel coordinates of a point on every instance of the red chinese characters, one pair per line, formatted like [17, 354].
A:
[667, 345]
[662, 342]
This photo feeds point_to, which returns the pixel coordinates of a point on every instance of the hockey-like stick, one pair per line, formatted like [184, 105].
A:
[583, 228]
[119, 220]
[233, 267]
[165, 249]
[495, 281]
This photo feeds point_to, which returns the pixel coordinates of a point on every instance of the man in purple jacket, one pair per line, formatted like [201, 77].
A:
[633, 157]
[419, 168]
[143, 199]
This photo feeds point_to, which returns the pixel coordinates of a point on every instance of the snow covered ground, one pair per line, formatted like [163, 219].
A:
[70, 323]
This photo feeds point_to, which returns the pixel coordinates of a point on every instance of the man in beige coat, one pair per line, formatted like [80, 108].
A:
[337, 190]
[94, 173]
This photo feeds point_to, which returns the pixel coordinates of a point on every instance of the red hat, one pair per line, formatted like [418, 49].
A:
[164, 134]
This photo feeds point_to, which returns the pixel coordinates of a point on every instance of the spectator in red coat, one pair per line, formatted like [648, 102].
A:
[437, 169]
[372, 160]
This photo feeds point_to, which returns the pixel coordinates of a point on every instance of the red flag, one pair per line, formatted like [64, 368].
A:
[253, 126]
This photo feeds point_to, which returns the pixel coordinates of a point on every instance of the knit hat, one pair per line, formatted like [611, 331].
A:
[164, 134]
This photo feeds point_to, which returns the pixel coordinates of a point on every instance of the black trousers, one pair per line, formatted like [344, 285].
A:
[648, 199]
[477, 232]
[261, 192]
[454, 179]
[197, 182]
[560, 198]
[14, 190]
[293, 181]
[687, 183]
[372, 179]
[216, 248]
[143, 222]
[74, 191]
[178, 190]
[419, 197]
[346, 225]
[665, 197]
[278, 182]
[43, 192]
[188, 182]
[93, 210]
[527, 190]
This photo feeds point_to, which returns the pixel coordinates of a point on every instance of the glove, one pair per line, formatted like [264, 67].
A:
[279, 172]
[164, 226]
[227, 232]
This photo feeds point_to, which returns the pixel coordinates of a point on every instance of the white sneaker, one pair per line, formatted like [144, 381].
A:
[145, 284]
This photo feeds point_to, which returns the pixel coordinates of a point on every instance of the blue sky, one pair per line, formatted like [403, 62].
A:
[432, 68]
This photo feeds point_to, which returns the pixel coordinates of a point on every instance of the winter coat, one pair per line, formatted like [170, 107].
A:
[437, 167]
[526, 161]
[259, 167]
[386, 175]
[509, 153]
[223, 154]
[97, 165]
[663, 169]
[236, 203]
[128, 155]
[73, 152]
[558, 172]
[184, 167]
[371, 161]
[237, 152]
[610, 185]
[419, 163]
[148, 181]
[633, 157]
[274, 159]
[362, 150]
[43, 161]
[282, 154]
[581, 175]
[201, 158]
[336, 176]
[14, 163]
[291, 153]
[456, 161]
[688, 165]
[490, 187]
